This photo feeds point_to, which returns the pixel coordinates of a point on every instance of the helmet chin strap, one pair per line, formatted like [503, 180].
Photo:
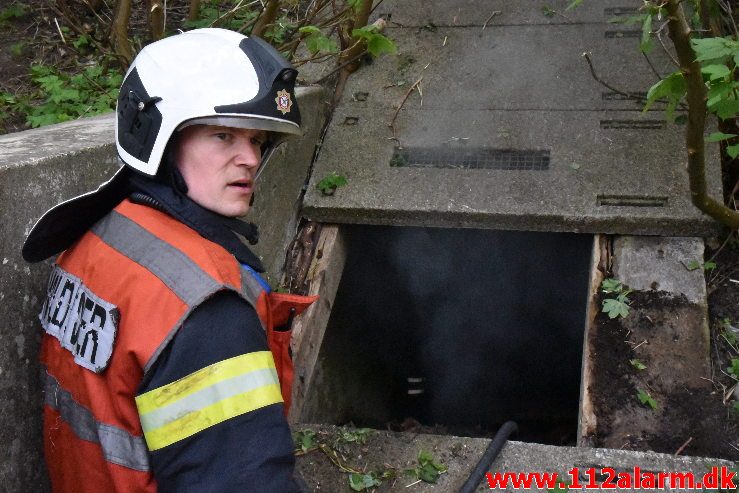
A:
[268, 152]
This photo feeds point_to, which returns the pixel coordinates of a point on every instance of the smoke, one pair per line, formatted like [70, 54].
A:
[492, 321]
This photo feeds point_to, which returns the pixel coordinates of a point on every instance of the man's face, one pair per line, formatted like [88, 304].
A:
[219, 165]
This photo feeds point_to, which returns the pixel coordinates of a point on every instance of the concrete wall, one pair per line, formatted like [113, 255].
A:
[40, 168]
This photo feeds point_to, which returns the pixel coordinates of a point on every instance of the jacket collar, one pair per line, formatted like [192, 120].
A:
[211, 226]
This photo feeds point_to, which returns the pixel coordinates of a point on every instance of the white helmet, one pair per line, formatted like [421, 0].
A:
[209, 76]
[204, 76]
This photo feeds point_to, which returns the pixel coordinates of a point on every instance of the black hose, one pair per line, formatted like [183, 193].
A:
[496, 444]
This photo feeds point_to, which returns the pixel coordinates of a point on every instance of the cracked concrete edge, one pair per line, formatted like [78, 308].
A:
[661, 263]
[461, 454]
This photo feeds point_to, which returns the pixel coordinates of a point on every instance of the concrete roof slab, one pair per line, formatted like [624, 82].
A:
[597, 178]
[510, 67]
[476, 12]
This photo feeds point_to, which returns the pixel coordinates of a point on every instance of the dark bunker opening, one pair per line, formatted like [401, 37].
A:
[458, 330]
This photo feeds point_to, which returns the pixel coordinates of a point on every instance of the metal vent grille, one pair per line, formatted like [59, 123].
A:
[471, 158]
[616, 11]
[635, 124]
[631, 201]
[624, 33]
[616, 96]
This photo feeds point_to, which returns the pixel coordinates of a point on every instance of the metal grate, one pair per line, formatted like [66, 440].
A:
[616, 96]
[618, 11]
[471, 158]
[631, 201]
[622, 33]
[635, 124]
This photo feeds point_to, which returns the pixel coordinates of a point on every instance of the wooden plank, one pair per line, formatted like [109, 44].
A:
[324, 275]
[586, 423]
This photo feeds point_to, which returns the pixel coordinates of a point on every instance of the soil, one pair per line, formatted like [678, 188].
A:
[684, 374]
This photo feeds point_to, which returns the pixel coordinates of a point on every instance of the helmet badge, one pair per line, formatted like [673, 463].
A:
[284, 101]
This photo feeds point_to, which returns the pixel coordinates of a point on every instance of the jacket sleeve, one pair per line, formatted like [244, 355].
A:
[251, 450]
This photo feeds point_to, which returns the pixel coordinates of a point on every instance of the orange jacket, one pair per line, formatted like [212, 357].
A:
[115, 300]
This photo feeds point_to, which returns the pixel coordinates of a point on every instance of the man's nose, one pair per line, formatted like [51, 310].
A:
[249, 154]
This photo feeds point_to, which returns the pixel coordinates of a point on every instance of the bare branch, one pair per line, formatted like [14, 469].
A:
[266, 18]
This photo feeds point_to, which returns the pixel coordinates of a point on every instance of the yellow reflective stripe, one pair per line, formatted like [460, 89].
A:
[216, 394]
[238, 365]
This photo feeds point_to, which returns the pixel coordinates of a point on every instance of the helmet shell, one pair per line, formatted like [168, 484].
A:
[210, 76]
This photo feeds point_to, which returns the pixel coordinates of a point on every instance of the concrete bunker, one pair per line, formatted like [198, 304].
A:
[453, 336]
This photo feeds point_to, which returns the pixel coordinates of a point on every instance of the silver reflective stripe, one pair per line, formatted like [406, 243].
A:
[175, 269]
[118, 446]
[208, 396]
[250, 287]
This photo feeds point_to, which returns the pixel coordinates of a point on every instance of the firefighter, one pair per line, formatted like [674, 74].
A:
[165, 358]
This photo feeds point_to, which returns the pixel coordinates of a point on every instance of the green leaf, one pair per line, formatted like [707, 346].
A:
[428, 473]
[734, 368]
[615, 308]
[638, 364]
[561, 487]
[574, 4]
[709, 266]
[548, 11]
[646, 399]
[317, 41]
[725, 108]
[672, 88]
[714, 49]
[733, 151]
[354, 4]
[309, 30]
[718, 91]
[15, 11]
[360, 482]
[693, 264]
[719, 136]
[379, 44]
[305, 439]
[611, 285]
[716, 71]
[330, 183]
[645, 45]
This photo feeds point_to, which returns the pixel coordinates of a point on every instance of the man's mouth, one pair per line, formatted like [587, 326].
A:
[240, 184]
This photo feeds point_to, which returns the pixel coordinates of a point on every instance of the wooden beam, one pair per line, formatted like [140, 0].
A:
[324, 275]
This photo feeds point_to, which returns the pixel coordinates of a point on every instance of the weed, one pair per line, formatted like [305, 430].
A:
[638, 364]
[547, 11]
[733, 369]
[561, 487]
[236, 18]
[377, 44]
[15, 11]
[354, 436]
[66, 97]
[646, 399]
[361, 482]
[428, 469]
[305, 440]
[17, 49]
[707, 267]
[330, 183]
[316, 41]
[618, 306]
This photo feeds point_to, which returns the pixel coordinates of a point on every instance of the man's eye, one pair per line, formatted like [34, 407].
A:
[257, 142]
[222, 136]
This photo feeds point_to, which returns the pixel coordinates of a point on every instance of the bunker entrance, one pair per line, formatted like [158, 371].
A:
[458, 330]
